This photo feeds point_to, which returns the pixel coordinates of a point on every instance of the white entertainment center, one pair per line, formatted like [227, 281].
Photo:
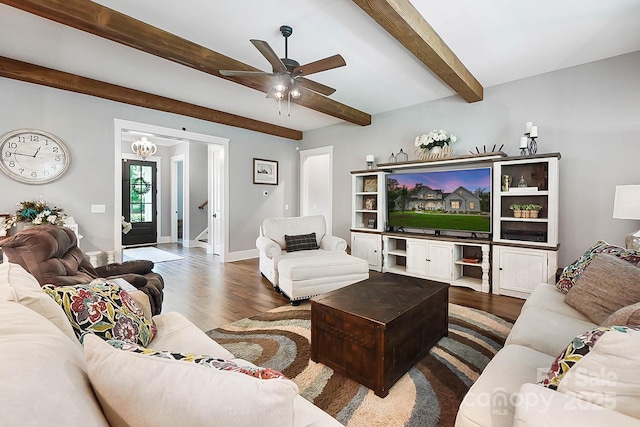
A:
[519, 253]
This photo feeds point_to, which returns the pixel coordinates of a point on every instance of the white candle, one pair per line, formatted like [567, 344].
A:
[534, 131]
[370, 158]
[527, 127]
[523, 142]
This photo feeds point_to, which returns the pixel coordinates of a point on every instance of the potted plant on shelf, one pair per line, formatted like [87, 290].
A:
[517, 210]
[533, 210]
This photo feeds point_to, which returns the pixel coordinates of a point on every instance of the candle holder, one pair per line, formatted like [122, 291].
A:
[533, 145]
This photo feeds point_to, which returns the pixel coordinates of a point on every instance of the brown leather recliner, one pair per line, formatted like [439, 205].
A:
[51, 254]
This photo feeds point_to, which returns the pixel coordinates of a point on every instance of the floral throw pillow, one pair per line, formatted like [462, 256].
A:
[579, 348]
[208, 361]
[105, 310]
[572, 272]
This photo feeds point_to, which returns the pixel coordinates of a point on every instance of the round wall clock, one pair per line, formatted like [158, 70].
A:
[33, 156]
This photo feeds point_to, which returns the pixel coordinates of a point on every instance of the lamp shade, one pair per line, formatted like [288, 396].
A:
[626, 204]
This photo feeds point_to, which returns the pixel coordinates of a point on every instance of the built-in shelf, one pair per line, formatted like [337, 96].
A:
[524, 193]
[470, 264]
[514, 219]
[397, 252]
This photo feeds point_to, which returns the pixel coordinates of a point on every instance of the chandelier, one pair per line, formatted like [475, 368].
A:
[144, 148]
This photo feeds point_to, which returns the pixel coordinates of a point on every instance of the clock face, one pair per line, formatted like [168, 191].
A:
[33, 156]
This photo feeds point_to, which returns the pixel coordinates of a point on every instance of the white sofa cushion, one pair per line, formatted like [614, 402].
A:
[177, 333]
[601, 366]
[543, 407]
[42, 377]
[491, 400]
[548, 297]
[546, 331]
[139, 390]
[17, 285]
[276, 228]
[322, 266]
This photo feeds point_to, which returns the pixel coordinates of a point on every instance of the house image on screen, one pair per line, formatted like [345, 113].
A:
[427, 199]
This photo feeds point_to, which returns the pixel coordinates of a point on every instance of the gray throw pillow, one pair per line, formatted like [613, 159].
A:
[606, 285]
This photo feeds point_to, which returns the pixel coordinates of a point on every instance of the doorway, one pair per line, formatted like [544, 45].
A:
[139, 202]
[164, 220]
[316, 184]
[177, 198]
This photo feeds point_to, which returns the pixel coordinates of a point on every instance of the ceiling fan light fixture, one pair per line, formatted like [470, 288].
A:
[280, 87]
[144, 148]
[295, 93]
[279, 94]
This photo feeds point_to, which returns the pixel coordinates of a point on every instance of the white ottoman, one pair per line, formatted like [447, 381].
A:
[304, 277]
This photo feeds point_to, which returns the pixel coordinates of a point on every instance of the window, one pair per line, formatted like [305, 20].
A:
[140, 193]
[455, 205]
[430, 196]
[472, 205]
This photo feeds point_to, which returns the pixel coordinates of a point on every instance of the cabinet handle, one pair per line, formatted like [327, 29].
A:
[428, 260]
[500, 268]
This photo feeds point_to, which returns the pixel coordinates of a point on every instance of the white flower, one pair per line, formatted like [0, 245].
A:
[51, 219]
[435, 138]
[37, 221]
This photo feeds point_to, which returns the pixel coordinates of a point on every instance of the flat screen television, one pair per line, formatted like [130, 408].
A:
[451, 200]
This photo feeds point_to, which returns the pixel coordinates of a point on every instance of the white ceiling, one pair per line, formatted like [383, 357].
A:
[497, 40]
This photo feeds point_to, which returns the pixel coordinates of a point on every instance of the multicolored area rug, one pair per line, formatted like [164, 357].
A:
[428, 395]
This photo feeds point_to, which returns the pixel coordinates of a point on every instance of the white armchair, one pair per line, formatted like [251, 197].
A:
[304, 273]
[272, 246]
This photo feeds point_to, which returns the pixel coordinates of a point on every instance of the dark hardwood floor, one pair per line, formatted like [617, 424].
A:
[212, 294]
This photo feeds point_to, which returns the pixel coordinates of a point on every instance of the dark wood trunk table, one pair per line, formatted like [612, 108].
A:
[374, 331]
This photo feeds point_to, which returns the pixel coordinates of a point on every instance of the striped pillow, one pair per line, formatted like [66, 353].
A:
[301, 242]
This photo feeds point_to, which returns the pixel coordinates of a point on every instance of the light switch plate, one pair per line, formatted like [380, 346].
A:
[98, 209]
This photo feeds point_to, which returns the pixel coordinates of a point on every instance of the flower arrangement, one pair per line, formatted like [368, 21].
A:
[36, 212]
[435, 138]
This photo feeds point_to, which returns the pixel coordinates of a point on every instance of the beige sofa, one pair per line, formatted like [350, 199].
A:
[48, 378]
[302, 274]
[506, 393]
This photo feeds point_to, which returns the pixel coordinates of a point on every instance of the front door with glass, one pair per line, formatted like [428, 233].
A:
[139, 202]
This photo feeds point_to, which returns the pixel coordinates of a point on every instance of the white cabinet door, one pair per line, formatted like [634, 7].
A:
[440, 261]
[417, 257]
[368, 247]
[517, 271]
[430, 259]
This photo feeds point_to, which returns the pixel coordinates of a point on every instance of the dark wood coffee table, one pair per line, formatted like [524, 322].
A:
[374, 331]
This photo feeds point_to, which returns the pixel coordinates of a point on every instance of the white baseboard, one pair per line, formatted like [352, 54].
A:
[164, 239]
[240, 255]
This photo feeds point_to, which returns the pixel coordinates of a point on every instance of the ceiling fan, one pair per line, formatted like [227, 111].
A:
[288, 73]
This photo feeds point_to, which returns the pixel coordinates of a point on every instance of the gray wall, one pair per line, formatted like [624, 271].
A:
[86, 125]
[589, 113]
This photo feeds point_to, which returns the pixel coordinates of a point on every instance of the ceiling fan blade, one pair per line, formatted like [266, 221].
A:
[269, 54]
[244, 73]
[271, 93]
[329, 63]
[315, 86]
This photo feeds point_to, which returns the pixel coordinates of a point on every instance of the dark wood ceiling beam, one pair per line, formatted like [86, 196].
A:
[401, 19]
[23, 71]
[96, 19]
